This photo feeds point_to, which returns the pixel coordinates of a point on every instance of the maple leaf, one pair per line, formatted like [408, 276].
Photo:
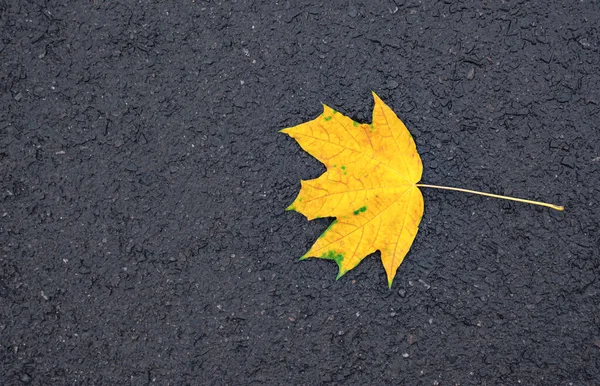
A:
[371, 187]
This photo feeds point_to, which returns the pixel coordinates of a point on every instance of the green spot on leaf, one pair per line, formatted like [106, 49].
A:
[327, 118]
[333, 255]
[335, 111]
[360, 210]
[371, 127]
[356, 124]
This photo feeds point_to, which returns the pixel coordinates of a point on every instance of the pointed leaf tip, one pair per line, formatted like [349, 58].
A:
[340, 273]
[286, 131]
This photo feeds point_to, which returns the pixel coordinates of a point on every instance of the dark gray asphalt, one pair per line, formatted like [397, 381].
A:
[143, 180]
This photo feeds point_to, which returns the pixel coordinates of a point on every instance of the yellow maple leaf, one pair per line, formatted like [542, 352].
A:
[370, 186]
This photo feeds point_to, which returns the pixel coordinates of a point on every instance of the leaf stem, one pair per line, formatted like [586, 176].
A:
[555, 207]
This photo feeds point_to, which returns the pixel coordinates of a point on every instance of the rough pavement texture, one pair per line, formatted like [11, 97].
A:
[143, 180]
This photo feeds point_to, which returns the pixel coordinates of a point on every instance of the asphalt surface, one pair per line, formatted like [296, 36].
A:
[143, 181]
